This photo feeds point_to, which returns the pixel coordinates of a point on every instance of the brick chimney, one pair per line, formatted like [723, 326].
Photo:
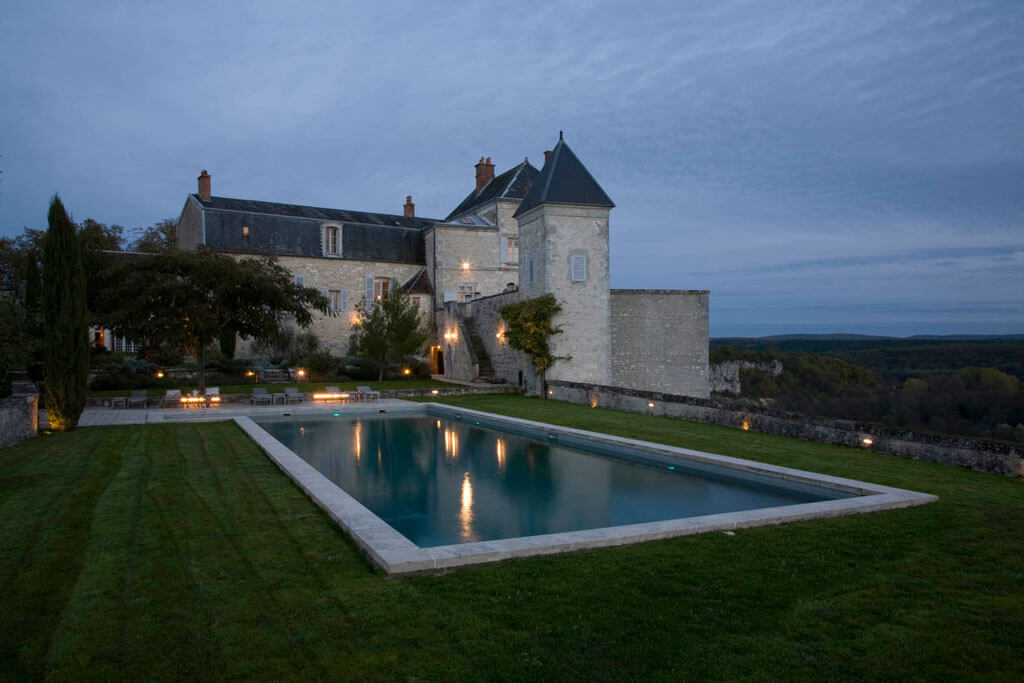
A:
[204, 185]
[409, 208]
[547, 155]
[484, 173]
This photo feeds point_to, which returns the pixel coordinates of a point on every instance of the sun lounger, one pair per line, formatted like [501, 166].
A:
[171, 398]
[260, 395]
[293, 395]
[137, 399]
[212, 396]
[367, 394]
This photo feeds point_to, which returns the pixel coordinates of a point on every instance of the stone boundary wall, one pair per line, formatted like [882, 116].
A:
[975, 454]
[660, 340]
[725, 376]
[19, 418]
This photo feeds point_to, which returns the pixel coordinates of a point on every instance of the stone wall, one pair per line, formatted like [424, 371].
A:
[345, 275]
[976, 454]
[190, 225]
[551, 234]
[452, 247]
[660, 340]
[19, 415]
[725, 376]
[510, 365]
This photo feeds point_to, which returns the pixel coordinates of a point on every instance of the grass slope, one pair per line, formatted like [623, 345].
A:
[180, 551]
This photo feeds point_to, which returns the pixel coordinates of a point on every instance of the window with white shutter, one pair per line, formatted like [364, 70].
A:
[344, 299]
[334, 298]
[330, 240]
[300, 280]
[578, 267]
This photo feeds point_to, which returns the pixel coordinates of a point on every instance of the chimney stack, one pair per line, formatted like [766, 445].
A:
[547, 155]
[484, 173]
[204, 185]
[409, 207]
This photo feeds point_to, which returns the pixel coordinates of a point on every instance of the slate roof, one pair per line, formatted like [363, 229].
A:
[514, 183]
[294, 230]
[564, 180]
[313, 212]
[418, 283]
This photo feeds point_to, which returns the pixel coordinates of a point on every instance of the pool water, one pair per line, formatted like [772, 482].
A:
[439, 481]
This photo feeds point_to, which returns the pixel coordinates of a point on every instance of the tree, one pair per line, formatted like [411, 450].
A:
[390, 330]
[529, 328]
[65, 321]
[163, 236]
[191, 298]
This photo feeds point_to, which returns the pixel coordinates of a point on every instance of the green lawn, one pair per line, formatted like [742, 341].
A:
[180, 551]
[306, 387]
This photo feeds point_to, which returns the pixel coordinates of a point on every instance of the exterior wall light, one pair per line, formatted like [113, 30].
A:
[406, 371]
[434, 392]
[159, 374]
[650, 404]
[465, 265]
[867, 442]
[746, 425]
[300, 372]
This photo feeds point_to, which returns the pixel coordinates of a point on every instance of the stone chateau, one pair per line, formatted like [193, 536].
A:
[516, 235]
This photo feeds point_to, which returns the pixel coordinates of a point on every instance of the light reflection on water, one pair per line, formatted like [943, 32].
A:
[441, 482]
[466, 513]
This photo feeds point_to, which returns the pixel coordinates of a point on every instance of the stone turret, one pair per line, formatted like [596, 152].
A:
[563, 249]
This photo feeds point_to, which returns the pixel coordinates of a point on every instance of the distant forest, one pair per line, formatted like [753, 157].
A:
[953, 386]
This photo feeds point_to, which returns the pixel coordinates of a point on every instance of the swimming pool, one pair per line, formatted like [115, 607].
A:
[432, 487]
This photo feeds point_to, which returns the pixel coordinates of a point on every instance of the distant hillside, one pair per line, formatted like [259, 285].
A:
[896, 358]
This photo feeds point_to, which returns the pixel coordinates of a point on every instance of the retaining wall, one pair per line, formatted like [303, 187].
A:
[19, 417]
[976, 454]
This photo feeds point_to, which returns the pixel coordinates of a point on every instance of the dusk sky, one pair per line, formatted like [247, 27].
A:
[820, 167]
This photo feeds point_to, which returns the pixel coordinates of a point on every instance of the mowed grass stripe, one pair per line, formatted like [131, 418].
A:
[41, 567]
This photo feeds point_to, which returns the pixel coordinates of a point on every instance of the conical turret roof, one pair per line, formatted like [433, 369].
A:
[564, 180]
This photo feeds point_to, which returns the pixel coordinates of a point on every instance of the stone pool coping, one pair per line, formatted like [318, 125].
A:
[397, 555]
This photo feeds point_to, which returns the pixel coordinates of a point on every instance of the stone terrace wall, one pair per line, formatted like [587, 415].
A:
[506, 361]
[660, 340]
[976, 454]
[725, 376]
[19, 417]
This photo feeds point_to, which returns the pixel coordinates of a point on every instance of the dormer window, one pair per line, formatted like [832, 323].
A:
[331, 240]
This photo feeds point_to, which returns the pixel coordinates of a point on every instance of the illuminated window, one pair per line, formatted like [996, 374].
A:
[380, 289]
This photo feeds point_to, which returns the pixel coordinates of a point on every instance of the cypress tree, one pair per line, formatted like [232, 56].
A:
[65, 321]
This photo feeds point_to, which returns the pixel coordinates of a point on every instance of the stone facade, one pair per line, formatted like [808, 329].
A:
[349, 278]
[660, 340]
[468, 257]
[550, 236]
[518, 235]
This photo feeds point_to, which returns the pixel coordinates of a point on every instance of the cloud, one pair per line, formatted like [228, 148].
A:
[752, 148]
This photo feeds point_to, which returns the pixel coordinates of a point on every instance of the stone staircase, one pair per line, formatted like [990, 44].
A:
[485, 371]
[274, 376]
